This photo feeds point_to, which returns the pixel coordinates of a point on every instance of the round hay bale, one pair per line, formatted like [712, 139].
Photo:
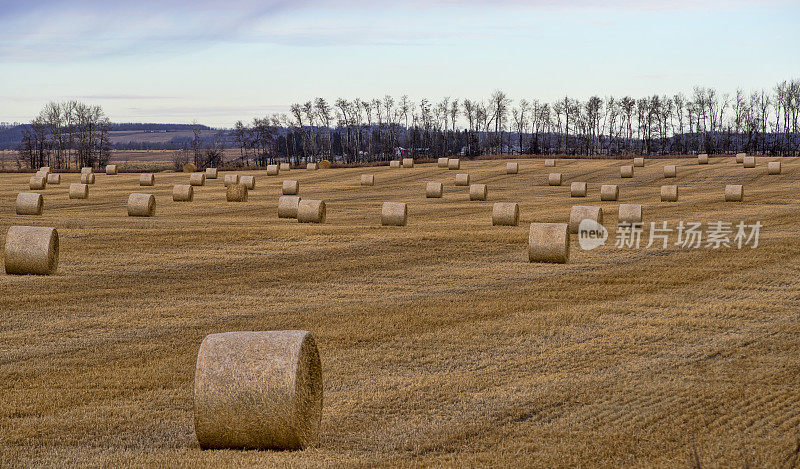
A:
[394, 164]
[454, 163]
[609, 192]
[462, 179]
[29, 203]
[548, 242]
[287, 206]
[37, 183]
[734, 193]
[394, 214]
[141, 205]
[626, 171]
[272, 170]
[87, 170]
[88, 178]
[367, 179]
[408, 162]
[311, 166]
[583, 212]
[31, 250]
[554, 179]
[505, 214]
[290, 187]
[670, 171]
[53, 178]
[182, 193]
[249, 181]
[45, 169]
[211, 173]
[285, 166]
[669, 193]
[629, 213]
[577, 189]
[702, 159]
[740, 157]
[442, 162]
[147, 179]
[324, 164]
[111, 169]
[236, 193]
[774, 167]
[43, 174]
[189, 168]
[229, 179]
[258, 390]
[549, 162]
[197, 179]
[749, 162]
[638, 162]
[434, 190]
[78, 191]
[311, 211]
[512, 168]
[477, 192]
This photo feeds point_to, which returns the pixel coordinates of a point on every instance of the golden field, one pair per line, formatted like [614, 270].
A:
[440, 343]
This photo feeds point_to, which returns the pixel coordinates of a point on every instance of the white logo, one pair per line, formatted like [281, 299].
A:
[591, 234]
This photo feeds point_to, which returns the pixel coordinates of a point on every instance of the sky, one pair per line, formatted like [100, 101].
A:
[216, 62]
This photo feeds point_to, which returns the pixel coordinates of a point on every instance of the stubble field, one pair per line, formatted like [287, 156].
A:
[440, 343]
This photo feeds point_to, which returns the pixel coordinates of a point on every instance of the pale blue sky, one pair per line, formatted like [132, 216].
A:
[216, 62]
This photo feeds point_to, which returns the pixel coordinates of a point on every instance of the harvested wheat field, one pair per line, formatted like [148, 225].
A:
[440, 343]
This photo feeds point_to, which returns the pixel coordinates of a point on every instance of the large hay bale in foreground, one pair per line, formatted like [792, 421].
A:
[394, 214]
[141, 205]
[197, 179]
[88, 178]
[408, 162]
[442, 162]
[609, 192]
[272, 170]
[211, 173]
[629, 213]
[749, 162]
[258, 390]
[702, 159]
[394, 164]
[478, 192]
[290, 187]
[287, 206]
[311, 166]
[505, 214]
[512, 168]
[37, 183]
[367, 179]
[29, 203]
[311, 211]
[111, 169]
[669, 193]
[229, 179]
[454, 163]
[182, 193]
[87, 170]
[53, 178]
[248, 181]
[740, 157]
[577, 189]
[236, 193]
[549, 162]
[548, 242]
[462, 179]
[147, 179]
[554, 179]
[774, 167]
[626, 171]
[583, 212]
[285, 166]
[434, 190]
[734, 193]
[78, 191]
[31, 250]
[670, 171]
[638, 162]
